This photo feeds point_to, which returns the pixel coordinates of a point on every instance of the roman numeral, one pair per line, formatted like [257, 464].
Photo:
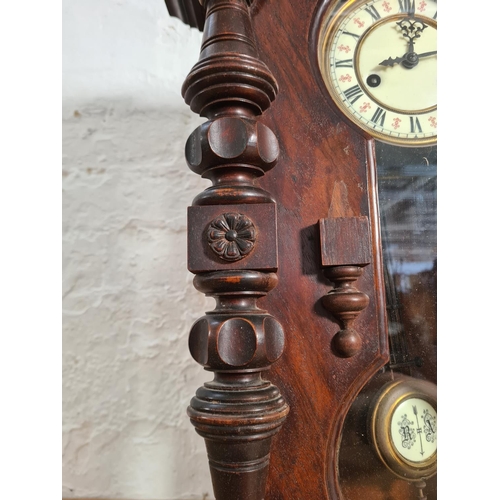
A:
[407, 6]
[350, 34]
[373, 12]
[345, 63]
[353, 93]
[435, 16]
[378, 117]
[415, 125]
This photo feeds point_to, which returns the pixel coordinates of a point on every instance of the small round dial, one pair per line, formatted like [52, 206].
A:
[378, 59]
[414, 429]
[403, 427]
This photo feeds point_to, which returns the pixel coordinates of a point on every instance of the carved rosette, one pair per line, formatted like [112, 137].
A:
[231, 236]
[232, 245]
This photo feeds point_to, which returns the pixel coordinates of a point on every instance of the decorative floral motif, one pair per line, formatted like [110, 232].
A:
[395, 123]
[365, 107]
[387, 6]
[231, 236]
[359, 22]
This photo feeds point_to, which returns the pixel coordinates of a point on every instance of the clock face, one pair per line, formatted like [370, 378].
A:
[378, 59]
[414, 429]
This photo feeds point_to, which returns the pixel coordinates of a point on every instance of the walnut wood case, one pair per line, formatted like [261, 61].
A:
[288, 242]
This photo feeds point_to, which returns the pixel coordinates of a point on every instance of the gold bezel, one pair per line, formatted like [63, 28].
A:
[329, 25]
[379, 425]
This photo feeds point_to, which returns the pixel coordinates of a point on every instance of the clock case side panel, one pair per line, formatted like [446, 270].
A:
[369, 371]
[326, 170]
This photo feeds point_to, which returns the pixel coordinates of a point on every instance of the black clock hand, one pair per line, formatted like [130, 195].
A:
[409, 60]
[411, 29]
[419, 430]
[391, 61]
[427, 54]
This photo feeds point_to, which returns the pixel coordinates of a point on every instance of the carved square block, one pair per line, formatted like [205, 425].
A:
[224, 237]
[345, 241]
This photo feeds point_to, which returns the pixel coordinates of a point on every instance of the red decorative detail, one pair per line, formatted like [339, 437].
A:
[360, 23]
[365, 107]
[395, 123]
[345, 78]
[422, 6]
[387, 6]
[345, 48]
[433, 121]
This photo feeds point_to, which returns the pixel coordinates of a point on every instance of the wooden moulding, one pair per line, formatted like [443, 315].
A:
[190, 12]
[343, 260]
[232, 250]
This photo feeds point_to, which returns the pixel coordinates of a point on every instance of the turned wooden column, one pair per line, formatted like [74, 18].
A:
[232, 250]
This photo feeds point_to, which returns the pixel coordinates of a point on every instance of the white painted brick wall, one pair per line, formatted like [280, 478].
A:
[128, 301]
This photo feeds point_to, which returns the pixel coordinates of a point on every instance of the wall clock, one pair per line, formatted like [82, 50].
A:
[320, 145]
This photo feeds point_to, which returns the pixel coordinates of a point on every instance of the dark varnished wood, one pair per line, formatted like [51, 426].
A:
[343, 259]
[232, 250]
[299, 163]
[325, 170]
[190, 12]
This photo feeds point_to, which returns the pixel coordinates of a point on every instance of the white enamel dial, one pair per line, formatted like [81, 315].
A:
[414, 430]
[379, 61]
[403, 426]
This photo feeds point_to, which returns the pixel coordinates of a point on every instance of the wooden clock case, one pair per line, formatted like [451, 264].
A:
[288, 242]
